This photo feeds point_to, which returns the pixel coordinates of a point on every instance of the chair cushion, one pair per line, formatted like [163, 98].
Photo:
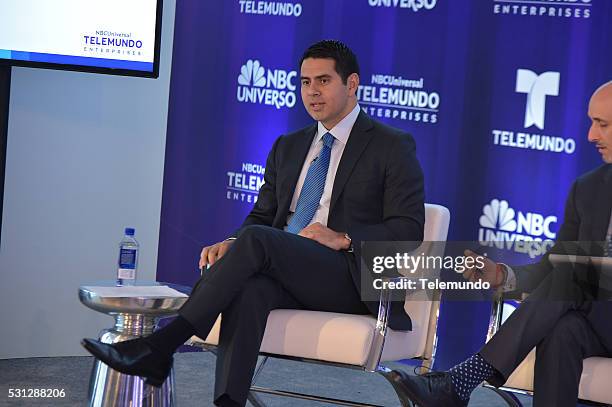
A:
[346, 338]
[595, 380]
[329, 336]
[522, 377]
[594, 383]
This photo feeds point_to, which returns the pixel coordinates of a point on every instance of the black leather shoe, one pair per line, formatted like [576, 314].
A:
[134, 357]
[433, 389]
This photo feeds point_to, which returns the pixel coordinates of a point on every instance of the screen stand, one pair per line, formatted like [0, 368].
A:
[5, 87]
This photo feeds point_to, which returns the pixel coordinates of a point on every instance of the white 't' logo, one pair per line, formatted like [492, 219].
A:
[252, 71]
[537, 87]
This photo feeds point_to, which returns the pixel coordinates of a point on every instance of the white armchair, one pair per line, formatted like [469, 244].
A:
[353, 341]
[594, 383]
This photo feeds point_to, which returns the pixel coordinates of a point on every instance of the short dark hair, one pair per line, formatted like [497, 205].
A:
[345, 60]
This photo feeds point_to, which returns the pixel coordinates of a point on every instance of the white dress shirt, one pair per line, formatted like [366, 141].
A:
[341, 133]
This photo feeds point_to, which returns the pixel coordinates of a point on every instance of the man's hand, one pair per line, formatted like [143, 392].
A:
[210, 254]
[326, 236]
[491, 272]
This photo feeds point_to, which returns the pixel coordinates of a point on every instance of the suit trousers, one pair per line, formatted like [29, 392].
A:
[265, 269]
[558, 318]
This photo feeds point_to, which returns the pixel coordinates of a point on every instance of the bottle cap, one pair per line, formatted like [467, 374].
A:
[129, 231]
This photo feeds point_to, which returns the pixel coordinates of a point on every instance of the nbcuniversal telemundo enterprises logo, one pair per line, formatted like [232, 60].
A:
[414, 5]
[524, 232]
[271, 87]
[565, 9]
[270, 8]
[538, 89]
[243, 184]
[108, 43]
[396, 97]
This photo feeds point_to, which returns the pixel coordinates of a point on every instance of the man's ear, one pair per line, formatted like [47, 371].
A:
[353, 83]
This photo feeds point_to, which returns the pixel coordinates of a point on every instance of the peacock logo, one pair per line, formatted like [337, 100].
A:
[498, 215]
[252, 73]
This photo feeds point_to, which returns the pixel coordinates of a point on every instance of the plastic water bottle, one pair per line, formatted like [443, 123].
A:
[128, 258]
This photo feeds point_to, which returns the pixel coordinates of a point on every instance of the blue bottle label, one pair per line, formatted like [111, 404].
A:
[127, 259]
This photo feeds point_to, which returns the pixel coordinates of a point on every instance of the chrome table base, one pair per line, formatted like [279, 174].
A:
[136, 311]
[109, 388]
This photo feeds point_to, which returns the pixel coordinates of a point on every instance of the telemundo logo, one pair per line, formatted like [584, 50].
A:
[395, 97]
[111, 42]
[503, 227]
[270, 8]
[243, 185]
[272, 87]
[536, 88]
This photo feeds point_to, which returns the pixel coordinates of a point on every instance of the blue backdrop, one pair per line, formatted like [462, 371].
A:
[495, 93]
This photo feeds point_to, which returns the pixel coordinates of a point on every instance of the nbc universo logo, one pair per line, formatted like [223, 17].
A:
[271, 87]
[537, 87]
[500, 216]
[523, 232]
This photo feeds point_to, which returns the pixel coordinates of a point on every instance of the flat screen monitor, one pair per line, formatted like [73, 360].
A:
[119, 37]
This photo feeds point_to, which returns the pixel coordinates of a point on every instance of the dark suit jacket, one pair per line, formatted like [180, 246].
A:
[587, 214]
[377, 194]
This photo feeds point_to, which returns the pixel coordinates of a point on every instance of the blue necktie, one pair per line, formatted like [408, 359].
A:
[312, 190]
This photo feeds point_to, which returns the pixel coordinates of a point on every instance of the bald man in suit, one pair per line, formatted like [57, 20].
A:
[567, 316]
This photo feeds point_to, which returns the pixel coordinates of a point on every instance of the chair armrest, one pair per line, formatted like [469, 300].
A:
[495, 320]
[384, 303]
[382, 323]
[497, 310]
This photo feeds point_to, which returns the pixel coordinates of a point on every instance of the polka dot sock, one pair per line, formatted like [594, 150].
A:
[467, 375]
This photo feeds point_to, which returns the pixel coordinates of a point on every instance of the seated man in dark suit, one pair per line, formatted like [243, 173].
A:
[328, 187]
[564, 317]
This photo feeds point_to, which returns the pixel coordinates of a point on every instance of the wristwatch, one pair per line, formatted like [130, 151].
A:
[350, 248]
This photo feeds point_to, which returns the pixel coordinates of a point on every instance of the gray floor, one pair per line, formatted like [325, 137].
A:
[194, 382]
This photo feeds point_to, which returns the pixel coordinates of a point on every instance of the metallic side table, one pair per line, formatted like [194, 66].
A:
[137, 309]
